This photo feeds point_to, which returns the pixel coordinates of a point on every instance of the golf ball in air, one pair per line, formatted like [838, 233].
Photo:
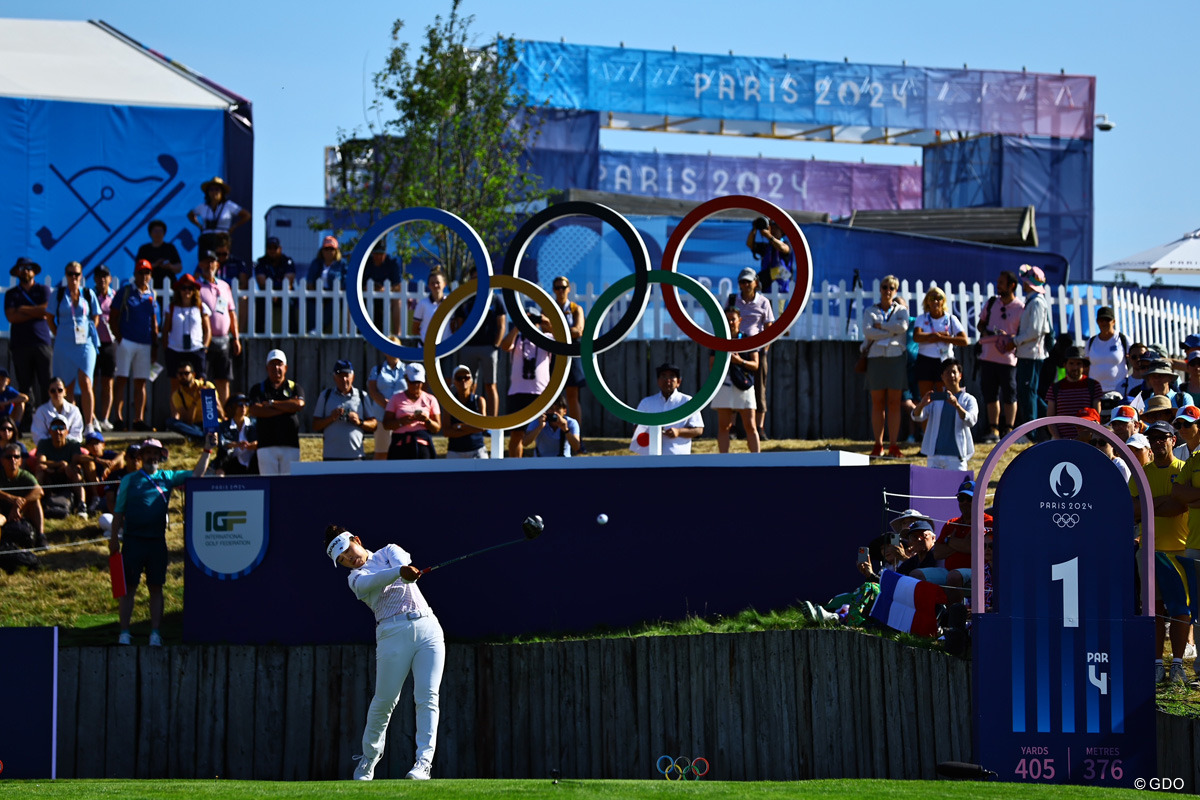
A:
[602, 519]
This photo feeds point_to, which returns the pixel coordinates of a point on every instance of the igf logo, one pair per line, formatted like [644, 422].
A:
[223, 521]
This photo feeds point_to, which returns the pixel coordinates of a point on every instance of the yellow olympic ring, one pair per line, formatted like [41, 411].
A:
[436, 382]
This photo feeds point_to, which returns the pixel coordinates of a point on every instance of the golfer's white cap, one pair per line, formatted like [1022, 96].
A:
[339, 545]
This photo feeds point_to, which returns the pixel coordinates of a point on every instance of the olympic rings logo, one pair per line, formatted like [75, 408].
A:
[678, 769]
[589, 346]
[1065, 520]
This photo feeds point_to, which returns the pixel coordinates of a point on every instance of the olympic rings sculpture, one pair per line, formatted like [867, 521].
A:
[589, 346]
[682, 767]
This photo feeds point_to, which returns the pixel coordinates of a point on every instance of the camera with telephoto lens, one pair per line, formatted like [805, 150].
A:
[760, 223]
[553, 418]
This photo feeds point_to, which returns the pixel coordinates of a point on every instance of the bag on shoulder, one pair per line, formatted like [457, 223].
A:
[741, 378]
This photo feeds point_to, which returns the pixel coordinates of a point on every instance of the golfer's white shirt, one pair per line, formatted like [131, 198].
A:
[678, 446]
[377, 583]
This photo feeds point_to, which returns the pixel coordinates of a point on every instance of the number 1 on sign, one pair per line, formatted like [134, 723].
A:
[1068, 573]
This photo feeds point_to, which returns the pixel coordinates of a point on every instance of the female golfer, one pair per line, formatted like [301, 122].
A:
[408, 637]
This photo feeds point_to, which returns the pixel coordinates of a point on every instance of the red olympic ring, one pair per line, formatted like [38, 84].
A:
[802, 273]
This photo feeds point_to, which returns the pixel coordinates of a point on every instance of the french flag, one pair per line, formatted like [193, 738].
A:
[907, 604]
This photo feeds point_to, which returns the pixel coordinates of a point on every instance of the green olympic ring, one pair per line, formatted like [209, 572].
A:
[683, 768]
[587, 355]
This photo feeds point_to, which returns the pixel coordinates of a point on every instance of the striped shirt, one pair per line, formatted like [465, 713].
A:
[377, 583]
[1071, 397]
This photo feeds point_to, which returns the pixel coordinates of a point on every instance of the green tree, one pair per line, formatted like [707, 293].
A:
[449, 131]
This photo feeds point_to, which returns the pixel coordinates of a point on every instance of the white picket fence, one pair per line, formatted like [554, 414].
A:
[833, 312]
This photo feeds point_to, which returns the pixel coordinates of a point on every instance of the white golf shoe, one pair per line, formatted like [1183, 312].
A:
[365, 770]
[419, 772]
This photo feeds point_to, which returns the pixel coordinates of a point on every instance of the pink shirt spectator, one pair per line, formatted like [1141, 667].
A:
[1005, 318]
[756, 313]
[524, 350]
[401, 406]
[105, 304]
[219, 299]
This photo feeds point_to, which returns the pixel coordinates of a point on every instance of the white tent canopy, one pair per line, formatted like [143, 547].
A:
[1181, 257]
[89, 62]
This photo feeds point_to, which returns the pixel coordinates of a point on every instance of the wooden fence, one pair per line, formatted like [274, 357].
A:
[777, 705]
[780, 705]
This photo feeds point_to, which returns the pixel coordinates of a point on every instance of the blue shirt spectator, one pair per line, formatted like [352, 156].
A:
[134, 313]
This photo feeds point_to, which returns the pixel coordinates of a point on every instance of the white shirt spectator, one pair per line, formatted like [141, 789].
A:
[946, 323]
[424, 314]
[39, 428]
[217, 219]
[677, 446]
[1108, 363]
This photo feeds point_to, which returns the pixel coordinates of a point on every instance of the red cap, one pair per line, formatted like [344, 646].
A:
[142, 266]
[1090, 414]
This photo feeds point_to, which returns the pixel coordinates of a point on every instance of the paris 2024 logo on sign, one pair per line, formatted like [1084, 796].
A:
[1066, 483]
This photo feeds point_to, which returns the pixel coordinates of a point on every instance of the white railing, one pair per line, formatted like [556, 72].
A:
[832, 313]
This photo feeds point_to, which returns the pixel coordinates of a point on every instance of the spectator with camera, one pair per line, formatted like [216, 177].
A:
[342, 415]
[529, 374]
[413, 416]
[553, 434]
[998, 326]
[950, 414]
[481, 354]
[736, 395]
[767, 243]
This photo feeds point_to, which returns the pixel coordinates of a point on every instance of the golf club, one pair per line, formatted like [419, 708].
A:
[532, 526]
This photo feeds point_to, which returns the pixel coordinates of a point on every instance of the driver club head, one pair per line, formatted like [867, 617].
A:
[533, 527]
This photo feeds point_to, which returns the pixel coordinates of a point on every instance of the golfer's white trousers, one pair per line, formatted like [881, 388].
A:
[400, 646]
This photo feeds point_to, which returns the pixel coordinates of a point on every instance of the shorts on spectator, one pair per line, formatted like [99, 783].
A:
[936, 575]
[106, 360]
[887, 373]
[999, 382]
[220, 363]
[133, 360]
[518, 402]
[575, 376]
[176, 358]
[929, 369]
[734, 398]
[482, 360]
[1174, 573]
[146, 554]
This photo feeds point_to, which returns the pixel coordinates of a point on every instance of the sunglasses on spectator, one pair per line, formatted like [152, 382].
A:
[222, 253]
[1182, 423]
[561, 287]
[59, 390]
[13, 457]
[73, 274]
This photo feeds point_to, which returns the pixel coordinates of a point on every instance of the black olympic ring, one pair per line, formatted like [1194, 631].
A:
[641, 268]
[1066, 520]
[689, 768]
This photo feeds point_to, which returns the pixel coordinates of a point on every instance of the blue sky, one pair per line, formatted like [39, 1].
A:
[307, 67]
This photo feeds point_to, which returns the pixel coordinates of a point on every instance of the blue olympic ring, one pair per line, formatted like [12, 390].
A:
[689, 769]
[362, 251]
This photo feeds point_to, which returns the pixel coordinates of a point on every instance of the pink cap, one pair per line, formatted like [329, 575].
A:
[330, 241]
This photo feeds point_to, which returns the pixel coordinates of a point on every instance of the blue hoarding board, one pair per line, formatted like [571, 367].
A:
[1063, 692]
